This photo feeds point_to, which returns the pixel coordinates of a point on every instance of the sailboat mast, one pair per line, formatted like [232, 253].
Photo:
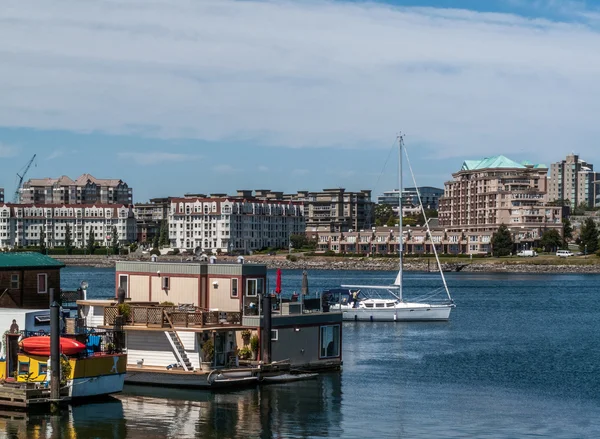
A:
[400, 279]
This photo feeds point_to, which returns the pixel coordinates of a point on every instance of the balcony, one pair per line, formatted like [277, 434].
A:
[170, 317]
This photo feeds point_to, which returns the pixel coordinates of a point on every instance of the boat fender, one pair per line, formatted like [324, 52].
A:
[356, 317]
[371, 318]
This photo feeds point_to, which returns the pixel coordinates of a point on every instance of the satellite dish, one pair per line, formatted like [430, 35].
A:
[84, 285]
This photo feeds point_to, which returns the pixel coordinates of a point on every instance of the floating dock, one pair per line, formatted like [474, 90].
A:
[25, 395]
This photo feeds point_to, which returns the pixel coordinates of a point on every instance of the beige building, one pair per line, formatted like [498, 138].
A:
[493, 191]
[573, 179]
[335, 210]
[86, 189]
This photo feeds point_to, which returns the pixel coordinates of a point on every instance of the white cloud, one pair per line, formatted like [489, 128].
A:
[303, 74]
[7, 150]
[224, 169]
[56, 154]
[153, 158]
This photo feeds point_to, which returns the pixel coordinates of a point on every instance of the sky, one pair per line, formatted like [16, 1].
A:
[203, 96]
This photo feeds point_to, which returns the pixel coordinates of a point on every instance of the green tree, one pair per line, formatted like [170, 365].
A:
[384, 214]
[115, 241]
[68, 240]
[580, 209]
[567, 230]
[91, 241]
[588, 236]
[502, 243]
[163, 239]
[42, 240]
[301, 241]
[155, 241]
[551, 240]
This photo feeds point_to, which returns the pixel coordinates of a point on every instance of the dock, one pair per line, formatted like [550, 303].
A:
[25, 395]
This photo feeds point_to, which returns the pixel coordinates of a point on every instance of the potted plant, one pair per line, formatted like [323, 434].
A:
[124, 310]
[208, 354]
[246, 334]
[254, 346]
[245, 353]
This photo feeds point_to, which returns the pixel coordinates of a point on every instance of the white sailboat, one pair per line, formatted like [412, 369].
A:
[355, 305]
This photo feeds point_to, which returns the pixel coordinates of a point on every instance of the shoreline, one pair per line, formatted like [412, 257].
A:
[492, 265]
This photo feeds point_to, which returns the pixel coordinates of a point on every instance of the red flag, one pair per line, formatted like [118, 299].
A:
[278, 282]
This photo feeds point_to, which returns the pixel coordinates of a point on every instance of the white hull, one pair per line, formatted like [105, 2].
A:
[404, 314]
[190, 379]
[96, 386]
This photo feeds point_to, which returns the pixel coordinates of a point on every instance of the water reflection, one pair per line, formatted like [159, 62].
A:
[301, 409]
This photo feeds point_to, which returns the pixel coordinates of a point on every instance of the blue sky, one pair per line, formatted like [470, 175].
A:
[177, 96]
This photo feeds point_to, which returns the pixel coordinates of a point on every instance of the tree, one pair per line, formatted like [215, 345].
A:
[115, 241]
[384, 213]
[502, 243]
[91, 242]
[567, 230]
[551, 240]
[155, 242]
[301, 241]
[589, 236]
[580, 209]
[42, 240]
[163, 239]
[68, 240]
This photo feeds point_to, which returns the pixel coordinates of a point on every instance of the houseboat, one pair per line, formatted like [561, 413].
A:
[92, 363]
[194, 324]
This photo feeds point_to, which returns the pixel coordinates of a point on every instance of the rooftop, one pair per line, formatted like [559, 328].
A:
[496, 162]
[29, 260]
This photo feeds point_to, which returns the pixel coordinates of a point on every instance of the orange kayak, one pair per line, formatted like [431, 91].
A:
[40, 345]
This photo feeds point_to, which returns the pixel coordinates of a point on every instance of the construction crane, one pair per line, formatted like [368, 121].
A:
[21, 177]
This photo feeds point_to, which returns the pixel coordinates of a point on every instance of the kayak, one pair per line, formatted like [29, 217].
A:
[40, 345]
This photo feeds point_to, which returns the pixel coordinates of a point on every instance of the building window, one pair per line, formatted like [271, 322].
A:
[254, 287]
[14, 281]
[42, 283]
[234, 288]
[43, 368]
[166, 283]
[274, 334]
[330, 341]
[123, 279]
[23, 368]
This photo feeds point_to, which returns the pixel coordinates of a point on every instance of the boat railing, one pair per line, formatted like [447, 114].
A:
[170, 316]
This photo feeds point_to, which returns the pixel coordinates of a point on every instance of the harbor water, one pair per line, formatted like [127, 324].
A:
[518, 358]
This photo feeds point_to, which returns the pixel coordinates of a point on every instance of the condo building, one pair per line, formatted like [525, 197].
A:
[149, 217]
[241, 223]
[487, 193]
[574, 179]
[86, 189]
[23, 224]
[335, 210]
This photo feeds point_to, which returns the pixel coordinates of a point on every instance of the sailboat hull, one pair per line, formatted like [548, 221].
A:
[405, 314]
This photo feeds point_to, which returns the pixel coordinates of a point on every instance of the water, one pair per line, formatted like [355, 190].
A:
[518, 358]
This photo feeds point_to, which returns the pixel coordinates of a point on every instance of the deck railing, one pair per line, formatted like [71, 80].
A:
[166, 317]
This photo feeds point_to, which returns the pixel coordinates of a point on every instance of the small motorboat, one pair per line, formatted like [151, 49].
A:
[288, 377]
[40, 345]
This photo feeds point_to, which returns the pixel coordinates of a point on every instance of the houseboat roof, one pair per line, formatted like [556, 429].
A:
[27, 260]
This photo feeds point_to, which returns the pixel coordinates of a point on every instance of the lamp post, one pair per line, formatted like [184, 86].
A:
[585, 251]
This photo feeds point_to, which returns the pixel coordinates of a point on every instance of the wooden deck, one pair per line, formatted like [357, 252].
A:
[19, 396]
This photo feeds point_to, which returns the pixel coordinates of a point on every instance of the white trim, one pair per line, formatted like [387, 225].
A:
[276, 331]
[127, 281]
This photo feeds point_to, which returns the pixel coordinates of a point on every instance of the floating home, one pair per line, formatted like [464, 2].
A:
[190, 321]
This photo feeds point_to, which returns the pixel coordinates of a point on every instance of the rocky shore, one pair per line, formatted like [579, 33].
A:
[374, 264]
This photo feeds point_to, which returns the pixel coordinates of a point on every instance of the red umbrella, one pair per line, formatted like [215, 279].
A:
[278, 282]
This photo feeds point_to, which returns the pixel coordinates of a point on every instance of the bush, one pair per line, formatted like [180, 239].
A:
[292, 258]
[208, 351]
[254, 343]
[329, 253]
[245, 353]
[124, 310]
[166, 303]
[155, 251]
[175, 251]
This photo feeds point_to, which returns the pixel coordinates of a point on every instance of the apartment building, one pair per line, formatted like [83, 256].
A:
[239, 223]
[574, 179]
[493, 191]
[86, 189]
[149, 217]
[22, 224]
[335, 209]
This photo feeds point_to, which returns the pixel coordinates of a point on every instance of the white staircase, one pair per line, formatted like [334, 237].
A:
[179, 350]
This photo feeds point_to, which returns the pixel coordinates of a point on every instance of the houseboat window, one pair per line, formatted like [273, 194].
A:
[274, 334]
[42, 279]
[14, 281]
[43, 369]
[23, 368]
[123, 279]
[330, 341]
[166, 283]
[254, 287]
[234, 287]
[41, 320]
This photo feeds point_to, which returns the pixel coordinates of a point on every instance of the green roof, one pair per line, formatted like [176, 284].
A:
[497, 161]
[28, 259]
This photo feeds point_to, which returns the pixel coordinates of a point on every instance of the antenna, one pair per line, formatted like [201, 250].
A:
[21, 177]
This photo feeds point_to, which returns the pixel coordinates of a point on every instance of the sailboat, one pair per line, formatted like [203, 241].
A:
[356, 305]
